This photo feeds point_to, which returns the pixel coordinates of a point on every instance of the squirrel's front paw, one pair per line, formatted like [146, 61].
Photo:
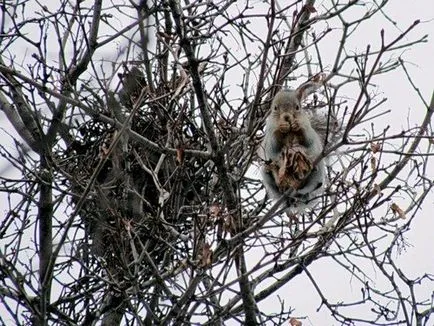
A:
[284, 127]
[295, 126]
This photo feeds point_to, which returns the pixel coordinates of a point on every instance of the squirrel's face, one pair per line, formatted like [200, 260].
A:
[286, 106]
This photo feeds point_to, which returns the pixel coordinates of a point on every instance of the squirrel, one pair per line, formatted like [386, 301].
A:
[289, 148]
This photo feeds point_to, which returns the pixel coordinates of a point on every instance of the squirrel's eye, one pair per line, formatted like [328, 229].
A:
[276, 108]
[297, 107]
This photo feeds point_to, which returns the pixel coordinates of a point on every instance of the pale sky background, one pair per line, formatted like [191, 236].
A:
[418, 258]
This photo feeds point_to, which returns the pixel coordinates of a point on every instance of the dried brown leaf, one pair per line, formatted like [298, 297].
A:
[202, 67]
[229, 224]
[397, 210]
[377, 190]
[180, 155]
[310, 8]
[373, 163]
[375, 147]
[206, 257]
[215, 211]
[292, 169]
[292, 218]
[295, 322]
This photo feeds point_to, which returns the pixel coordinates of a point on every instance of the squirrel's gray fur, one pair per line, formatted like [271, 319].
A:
[286, 107]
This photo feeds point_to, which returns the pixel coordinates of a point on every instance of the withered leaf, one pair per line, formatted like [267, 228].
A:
[229, 224]
[206, 258]
[293, 167]
[373, 163]
[295, 322]
[302, 166]
[292, 217]
[215, 211]
[180, 155]
[377, 189]
[375, 147]
[310, 8]
[397, 210]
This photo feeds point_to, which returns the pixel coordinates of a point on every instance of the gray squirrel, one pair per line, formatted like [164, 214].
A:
[290, 147]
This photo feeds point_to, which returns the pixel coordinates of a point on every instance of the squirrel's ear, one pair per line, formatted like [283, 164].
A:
[305, 89]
